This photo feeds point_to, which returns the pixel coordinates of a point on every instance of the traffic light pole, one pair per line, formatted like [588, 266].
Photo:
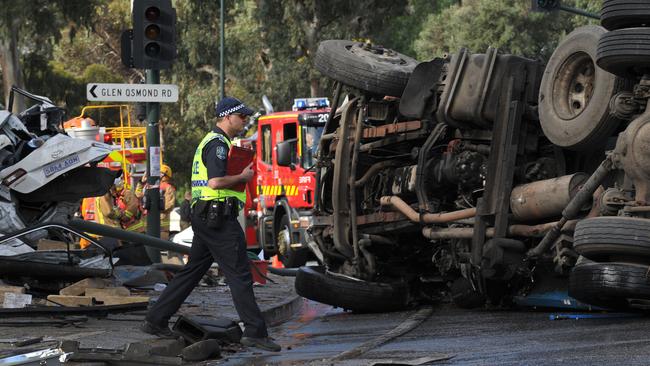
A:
[153, 169]
[222, 52]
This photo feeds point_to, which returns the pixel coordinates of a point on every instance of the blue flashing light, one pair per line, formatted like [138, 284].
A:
[300, 104]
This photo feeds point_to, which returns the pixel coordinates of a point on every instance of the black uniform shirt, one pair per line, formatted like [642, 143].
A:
[215, 156]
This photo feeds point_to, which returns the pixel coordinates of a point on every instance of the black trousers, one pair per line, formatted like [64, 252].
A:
[226, 246]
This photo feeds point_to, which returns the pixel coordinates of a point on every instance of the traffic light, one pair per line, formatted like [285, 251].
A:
[154, 35]
[544, 5]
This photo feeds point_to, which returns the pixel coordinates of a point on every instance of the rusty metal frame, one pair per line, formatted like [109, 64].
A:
[341, 173]
[391, 129]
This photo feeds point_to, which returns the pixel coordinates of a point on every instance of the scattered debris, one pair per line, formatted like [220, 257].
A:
[37, 357]
[14, 300]
[195, 329]
[201, 351]
[79, 288]
[95, 310]
[67, 300]
[58, 322]
[10, 289]
[93, 291]
[27, 342]
[139, 353]
[594, 316]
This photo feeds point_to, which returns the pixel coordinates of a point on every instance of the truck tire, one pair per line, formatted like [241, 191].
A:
[625, 52]
[574, 94]
[290, 257]
[373, 69]
[610, 285]
[599, 237]
[618, 14]
[316, 284]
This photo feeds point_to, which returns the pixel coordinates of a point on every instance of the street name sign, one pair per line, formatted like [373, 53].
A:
[162, 93]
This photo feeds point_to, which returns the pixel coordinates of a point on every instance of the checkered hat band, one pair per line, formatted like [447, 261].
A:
[231, 110]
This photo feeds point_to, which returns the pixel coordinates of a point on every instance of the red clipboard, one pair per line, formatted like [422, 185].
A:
[238, 159]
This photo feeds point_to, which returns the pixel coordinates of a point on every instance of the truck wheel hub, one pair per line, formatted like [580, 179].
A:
[284, 241]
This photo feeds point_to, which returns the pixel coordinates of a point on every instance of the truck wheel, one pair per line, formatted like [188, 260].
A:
[617, 14]
[600, 237]
[366, 67]
[290, 257]
[625, 52]
[610, 285]
[316, 284]
[574, 94]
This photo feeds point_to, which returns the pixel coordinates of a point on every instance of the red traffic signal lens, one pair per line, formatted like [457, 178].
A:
[152, 49]
[152, 31]
[152, 13]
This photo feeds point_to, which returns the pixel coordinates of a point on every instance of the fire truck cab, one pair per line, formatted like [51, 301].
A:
[286, 154]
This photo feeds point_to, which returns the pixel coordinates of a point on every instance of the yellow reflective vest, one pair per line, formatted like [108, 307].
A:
[200, 189]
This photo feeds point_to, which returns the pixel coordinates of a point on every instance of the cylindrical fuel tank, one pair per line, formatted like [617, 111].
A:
[545, 198]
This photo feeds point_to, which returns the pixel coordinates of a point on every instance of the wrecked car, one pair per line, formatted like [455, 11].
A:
[480, 175]
[44, 173]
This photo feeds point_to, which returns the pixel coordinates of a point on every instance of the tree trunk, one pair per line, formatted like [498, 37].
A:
[311, 28]
[10, 64]
[315, 87]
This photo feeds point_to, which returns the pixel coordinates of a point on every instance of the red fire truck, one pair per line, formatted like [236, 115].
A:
[281, 194]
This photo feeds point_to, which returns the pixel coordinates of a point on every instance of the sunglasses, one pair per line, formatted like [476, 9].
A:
[242, 116]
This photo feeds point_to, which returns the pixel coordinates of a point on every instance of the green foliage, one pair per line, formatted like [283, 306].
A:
[53, 80]
[97, 73]
[32, 27]
[506, 24]
[401, 31]
[41, 20]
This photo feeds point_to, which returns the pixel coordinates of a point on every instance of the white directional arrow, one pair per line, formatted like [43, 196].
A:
[162, 93]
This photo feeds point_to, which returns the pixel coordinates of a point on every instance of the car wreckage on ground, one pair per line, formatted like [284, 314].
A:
[44, 174]
[479, 175]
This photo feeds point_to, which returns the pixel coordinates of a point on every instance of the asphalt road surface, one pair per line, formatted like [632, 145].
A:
[457, 337]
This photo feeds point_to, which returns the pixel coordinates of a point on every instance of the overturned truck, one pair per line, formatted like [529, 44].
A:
[479, 174]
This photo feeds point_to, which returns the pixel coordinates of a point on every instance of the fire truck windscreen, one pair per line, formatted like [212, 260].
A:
[310, 139]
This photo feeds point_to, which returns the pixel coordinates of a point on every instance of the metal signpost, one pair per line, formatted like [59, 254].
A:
[150, 45]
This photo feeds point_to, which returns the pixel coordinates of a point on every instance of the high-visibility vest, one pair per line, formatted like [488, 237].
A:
[200, 189]
[88, 209]
[99, 216]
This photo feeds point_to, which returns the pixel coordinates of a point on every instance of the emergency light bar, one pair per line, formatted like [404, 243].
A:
[300, 104]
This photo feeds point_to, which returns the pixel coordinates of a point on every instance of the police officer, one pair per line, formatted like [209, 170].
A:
[217, 233]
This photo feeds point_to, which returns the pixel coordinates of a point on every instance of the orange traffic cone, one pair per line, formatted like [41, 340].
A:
[275, 262]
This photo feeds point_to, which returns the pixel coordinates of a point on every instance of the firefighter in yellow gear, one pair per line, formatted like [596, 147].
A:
[167, 195]
[119, 208]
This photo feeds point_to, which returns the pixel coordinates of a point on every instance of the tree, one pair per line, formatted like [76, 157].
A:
[506, 24]
[31, 27]
[400, 32]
